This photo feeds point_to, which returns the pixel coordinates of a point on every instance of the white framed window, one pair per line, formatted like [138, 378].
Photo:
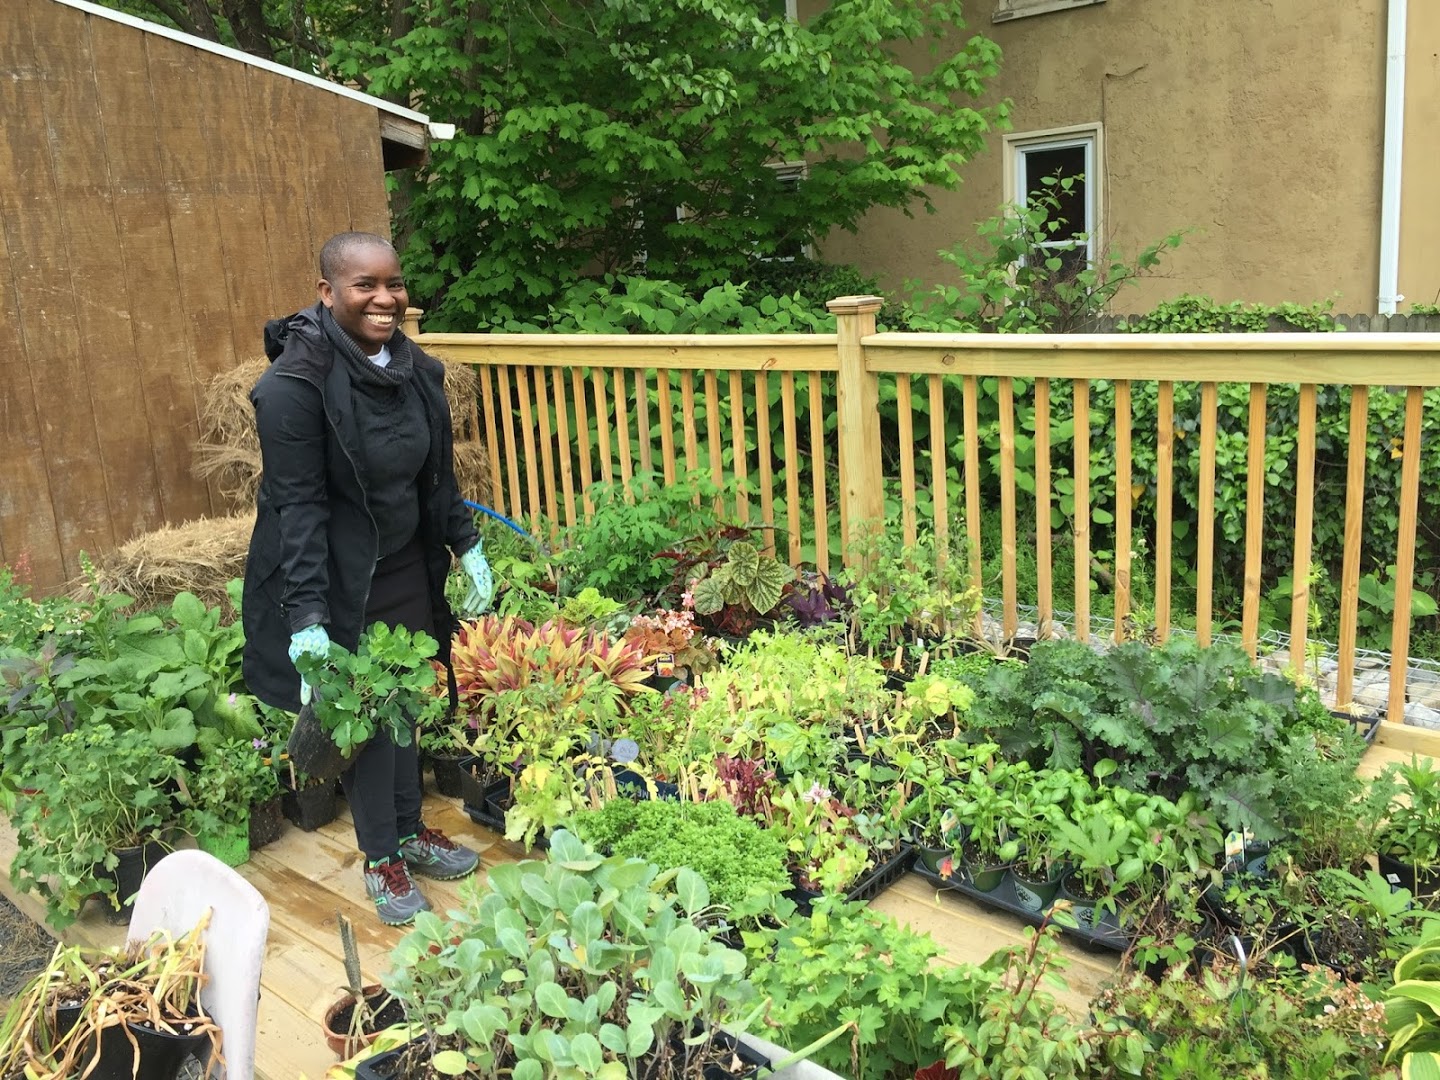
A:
[1076, 153]
[1005, 10]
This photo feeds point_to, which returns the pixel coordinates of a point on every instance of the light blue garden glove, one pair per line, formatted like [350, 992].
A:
[314, 640]
[482, 583]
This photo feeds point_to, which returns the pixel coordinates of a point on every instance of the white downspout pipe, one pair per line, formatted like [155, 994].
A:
[1394, 152]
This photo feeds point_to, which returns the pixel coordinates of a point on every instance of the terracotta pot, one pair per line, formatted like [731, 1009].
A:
[337, 1034]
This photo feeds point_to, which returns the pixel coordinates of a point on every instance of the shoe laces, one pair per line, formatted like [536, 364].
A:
[395, 876]
[435, 838]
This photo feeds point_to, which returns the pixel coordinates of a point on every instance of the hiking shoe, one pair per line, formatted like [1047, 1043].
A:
[435, 855]
[397, 900]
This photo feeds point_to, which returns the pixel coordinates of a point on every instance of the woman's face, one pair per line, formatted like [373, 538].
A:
[367, 297]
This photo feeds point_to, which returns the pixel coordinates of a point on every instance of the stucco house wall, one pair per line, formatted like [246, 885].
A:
[1257, 127]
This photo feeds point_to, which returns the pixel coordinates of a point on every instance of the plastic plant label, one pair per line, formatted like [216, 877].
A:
[665, 666]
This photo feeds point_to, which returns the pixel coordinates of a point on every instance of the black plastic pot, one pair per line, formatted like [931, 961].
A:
[632, 785]
[446, 768]
[1037, 894]
[312, 751]
[311, 807]
[267, 822]
[485, 804]
[868, 887]
[1420, 880]
[161, 1054]
[129, 872]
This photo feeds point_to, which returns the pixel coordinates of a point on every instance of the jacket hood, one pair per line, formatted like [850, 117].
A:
[278, 332]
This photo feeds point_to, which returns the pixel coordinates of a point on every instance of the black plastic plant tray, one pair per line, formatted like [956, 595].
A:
[1368, 726]
[1003, 898]
[868, 887]
[491, 813]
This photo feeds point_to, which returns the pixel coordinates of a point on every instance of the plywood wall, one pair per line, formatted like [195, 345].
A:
[157, 204]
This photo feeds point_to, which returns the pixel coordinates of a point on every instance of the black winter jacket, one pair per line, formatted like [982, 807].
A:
[314, 547]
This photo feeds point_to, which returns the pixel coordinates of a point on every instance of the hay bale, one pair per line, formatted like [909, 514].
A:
[228, 451]
[199, 557]
[472, 471]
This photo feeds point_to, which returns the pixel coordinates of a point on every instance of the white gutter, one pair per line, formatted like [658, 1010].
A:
[1393, 153]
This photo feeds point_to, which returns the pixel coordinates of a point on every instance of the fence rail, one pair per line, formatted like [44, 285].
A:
[835, 457]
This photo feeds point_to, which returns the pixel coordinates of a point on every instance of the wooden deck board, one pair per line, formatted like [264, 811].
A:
[308, 877]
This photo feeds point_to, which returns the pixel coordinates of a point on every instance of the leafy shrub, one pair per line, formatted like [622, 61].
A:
[734, 856]
[638, 305]
[615, 551]
[847, 963]
[1219, 1028]
[1176, 718]
[1202, 315]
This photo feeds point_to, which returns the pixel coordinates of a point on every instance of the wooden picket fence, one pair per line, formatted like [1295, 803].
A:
[568, 425]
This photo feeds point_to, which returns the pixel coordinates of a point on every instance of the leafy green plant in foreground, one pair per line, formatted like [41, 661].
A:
[577, 964]
[386, 683]
[849, 963]
[92, 792]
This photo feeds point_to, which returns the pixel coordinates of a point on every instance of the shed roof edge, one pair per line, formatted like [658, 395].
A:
[435, 130]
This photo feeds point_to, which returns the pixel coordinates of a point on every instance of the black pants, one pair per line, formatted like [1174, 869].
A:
[383, 785]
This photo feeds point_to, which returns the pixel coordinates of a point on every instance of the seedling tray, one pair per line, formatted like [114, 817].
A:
[1107, 936]
[868, 887]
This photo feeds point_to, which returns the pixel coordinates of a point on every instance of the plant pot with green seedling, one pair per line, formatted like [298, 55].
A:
[1410, 839]
[229, 779]
[362, 1012]
[1101, 848]
[103, 803]
[1056, 795]
[988, 804]
[387, 684]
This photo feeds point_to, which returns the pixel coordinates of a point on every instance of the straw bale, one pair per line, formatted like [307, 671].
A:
[228, 451]
[472, 471]
[199, 557]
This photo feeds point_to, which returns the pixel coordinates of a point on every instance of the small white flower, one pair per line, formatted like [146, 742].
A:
[816, 794]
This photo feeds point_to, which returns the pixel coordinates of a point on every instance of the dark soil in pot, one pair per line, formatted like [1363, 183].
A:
[446, 768]
[267, 822]
[311, 807]
[385, 1012]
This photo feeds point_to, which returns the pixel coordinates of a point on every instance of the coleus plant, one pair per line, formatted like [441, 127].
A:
[494, 654]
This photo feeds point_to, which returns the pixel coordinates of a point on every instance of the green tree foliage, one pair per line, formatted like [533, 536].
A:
[612, 138]
[294, 32]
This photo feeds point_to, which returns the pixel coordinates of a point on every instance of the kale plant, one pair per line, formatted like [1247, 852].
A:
[1175, 718]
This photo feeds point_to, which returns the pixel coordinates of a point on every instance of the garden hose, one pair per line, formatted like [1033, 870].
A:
[501, 518]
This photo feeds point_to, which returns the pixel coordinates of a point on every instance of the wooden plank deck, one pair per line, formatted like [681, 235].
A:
[308, 877]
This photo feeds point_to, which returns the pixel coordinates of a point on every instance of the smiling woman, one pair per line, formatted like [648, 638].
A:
[356, 508]
[364, 289]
